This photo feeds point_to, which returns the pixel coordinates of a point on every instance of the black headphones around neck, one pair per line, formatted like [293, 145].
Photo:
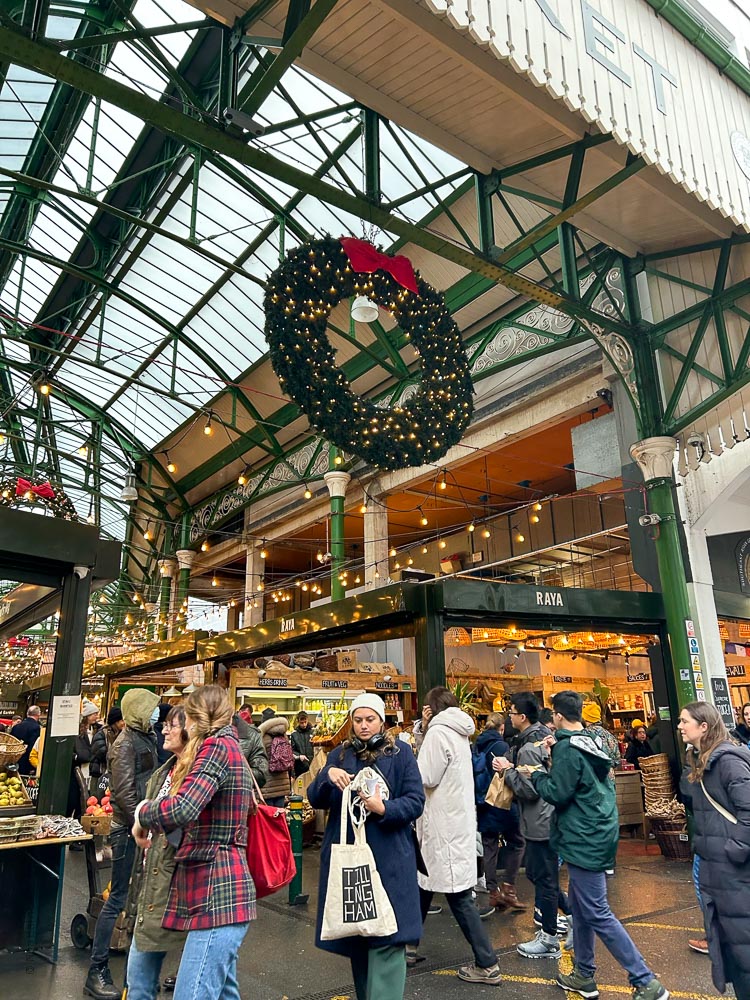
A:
[374, 743]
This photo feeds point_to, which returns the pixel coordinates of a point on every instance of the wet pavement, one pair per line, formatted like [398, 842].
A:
[652, 896]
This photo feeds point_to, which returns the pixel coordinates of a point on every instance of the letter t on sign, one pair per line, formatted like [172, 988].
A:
[659, 74]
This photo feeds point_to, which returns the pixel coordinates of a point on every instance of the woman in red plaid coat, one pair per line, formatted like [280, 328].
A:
[212, 894]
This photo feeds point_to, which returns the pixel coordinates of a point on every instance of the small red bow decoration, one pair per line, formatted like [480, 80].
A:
[15, 641]
[364, 257]
[44, 491]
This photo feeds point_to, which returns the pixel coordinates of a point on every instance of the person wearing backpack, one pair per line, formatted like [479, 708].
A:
[494, 823]
[280, 760]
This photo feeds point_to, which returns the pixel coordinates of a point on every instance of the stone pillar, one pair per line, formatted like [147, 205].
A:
[254, 569]
[655, 458]
[376, 544]
[337, 483]
[185, 560]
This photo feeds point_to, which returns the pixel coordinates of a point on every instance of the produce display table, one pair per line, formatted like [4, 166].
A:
[31, 875]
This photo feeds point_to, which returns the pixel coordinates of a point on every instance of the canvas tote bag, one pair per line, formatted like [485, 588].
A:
[356, 903]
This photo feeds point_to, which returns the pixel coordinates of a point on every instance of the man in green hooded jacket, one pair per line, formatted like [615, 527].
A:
[585, 830]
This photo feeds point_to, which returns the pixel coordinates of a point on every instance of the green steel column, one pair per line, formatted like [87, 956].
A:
[166, 569]
[429, 644]
[337, 481]
[67, 671]
[655, 456]
[296, 896]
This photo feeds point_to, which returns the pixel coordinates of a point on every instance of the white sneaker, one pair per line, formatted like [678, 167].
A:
[542, 946]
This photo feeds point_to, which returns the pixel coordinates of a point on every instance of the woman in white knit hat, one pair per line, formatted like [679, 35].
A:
[391, 806]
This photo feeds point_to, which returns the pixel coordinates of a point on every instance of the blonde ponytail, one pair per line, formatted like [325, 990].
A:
[209, 709]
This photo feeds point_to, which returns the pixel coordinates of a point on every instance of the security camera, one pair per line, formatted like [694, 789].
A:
[81, 572]
[261, 673]
[645, 520]
[387, 677]
[233, 116]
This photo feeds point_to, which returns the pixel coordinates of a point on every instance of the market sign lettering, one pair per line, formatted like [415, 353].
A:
[736, 670]
[339, 682]
[386, 686]
[602, 38]
[287, 625]
[561, 679]
[638, 678]
[272, 682]
[554, 599]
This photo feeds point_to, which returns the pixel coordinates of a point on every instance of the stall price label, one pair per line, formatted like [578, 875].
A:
[31, 784]
[722, 700]
[273, 682]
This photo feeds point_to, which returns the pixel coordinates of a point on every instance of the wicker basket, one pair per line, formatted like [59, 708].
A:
[667, 825]
[11, 749]
[674, 844]
[657, 762]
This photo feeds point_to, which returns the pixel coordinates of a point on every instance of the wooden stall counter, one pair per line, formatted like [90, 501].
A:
[630, 800]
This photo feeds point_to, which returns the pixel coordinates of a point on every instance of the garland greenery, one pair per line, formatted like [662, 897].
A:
[300, 295]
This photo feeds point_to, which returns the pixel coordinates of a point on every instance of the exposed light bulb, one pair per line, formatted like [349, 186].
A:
[392, 553]
[537, 506]
[338, 460]
[472, 527]
[520, 537]
[45, 388]
[308, 493]
[424, 550]
[534, 519]
[363, 508]
[263, 553]
[442, 543]
[205, 546]
[423, 521]
[241, 479]
[486, 533]
[214, 581]
[443, 485]
[208, 428]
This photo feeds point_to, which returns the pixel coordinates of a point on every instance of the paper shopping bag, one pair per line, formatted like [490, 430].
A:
[499, 794]
[356, 904]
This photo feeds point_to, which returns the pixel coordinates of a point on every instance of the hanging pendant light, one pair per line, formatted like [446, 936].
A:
[129, 492]
[364, 310]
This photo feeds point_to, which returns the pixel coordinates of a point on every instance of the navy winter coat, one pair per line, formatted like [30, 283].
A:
[724, 850]
[490, 819]
[390, 838]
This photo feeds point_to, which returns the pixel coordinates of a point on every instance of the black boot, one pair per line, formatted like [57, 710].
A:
[99, 984]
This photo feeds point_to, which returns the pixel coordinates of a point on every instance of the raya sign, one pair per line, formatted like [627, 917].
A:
[632, 74]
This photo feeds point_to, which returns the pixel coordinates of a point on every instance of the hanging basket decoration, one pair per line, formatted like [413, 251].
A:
[300, 295]
[456, 636]
[20, 492]
[511, 634]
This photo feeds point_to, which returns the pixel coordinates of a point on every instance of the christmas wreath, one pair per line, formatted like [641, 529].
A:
[300, 295]
[21, 492]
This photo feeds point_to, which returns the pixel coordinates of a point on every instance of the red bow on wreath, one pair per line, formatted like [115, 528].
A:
[44, 491]
[364, 257]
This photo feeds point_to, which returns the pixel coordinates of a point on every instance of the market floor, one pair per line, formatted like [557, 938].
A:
[279, 961]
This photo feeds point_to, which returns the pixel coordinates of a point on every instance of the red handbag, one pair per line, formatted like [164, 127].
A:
[269, 847]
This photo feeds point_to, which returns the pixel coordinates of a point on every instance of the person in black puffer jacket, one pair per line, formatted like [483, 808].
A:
[493, 823]
[717, 788]
[102, 741]
[742, 732]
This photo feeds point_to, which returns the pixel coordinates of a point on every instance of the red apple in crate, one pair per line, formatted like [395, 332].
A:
[92, 800]
[90, 810]
[108, 810]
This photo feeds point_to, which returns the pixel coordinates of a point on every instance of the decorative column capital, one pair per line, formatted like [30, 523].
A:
[337, 483]
[186, 558]
[654, 457]
[168, 567]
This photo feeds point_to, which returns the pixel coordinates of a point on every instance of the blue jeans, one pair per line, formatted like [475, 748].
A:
[123, 853]
[143, 972]
[697, 878]
[587, 894]
[208, 970]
